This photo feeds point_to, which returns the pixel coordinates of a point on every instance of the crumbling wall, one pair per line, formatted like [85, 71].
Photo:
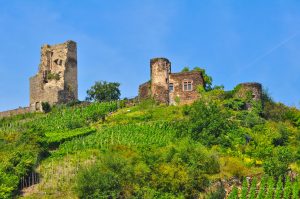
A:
[56, 80]
[250, 90]
[145, 91]
[178, 95]
[17, 111]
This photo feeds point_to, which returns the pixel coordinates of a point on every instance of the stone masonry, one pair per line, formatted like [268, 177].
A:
[56, 80]
[181, 88]
[170, 88]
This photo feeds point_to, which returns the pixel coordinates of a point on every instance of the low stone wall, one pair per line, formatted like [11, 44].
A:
[17, 111]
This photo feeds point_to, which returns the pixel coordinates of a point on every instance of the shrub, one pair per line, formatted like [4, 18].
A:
[46, 107]
[176, 170]
[218, 193]
[210, 124]
[278, 163]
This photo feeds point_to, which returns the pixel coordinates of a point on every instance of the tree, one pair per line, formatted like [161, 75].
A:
[104, 91]
[185, 69]
[207, 78]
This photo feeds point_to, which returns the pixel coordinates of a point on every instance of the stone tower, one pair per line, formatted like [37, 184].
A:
[56, 80]
[160, 71]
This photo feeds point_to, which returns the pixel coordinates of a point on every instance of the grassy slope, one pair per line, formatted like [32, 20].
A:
[86, 135]
[129, 126]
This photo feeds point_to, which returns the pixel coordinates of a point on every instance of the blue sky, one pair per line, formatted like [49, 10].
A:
[235, 41]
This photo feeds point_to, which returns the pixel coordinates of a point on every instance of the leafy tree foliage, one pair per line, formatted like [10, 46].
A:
[207, 79]
[278, 163]
[46, 107]
[210, 124]
[178, 170]
[104, 91]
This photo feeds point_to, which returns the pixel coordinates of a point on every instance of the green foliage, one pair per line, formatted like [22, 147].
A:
[278, 164]
[287, 188]
[176, 170]
[244, 189]
[53, 76]
[279, 188]
[295, 187]
[104, 91]
[185, 69]
[262, 188]
[252, 193]
[271, 186]
[210, 124]
[218, 193]
[234, 193]
[207, 79]
[23, 142]
[46, 107]
[282, 140]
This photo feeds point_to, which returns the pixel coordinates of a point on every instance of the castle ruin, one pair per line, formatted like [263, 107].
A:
[181, 88]
[56, 80]
[170, 88]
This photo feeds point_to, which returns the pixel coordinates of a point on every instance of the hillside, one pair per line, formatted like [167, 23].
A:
[109, 150]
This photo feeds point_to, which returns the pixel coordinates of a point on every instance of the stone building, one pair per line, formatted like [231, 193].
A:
[56, 80]
[170, 88]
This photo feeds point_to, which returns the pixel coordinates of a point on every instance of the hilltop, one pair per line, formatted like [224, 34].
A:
[148, 150]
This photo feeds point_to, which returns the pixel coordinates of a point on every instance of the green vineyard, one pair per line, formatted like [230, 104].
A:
[267, 188]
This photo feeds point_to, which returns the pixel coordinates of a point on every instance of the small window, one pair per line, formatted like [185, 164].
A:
[187, 86]
[171, 87]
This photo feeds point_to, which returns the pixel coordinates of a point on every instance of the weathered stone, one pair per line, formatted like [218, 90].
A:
[162, 80]
[249, 91]
[56, 80]
[179, 95]
[18, 111]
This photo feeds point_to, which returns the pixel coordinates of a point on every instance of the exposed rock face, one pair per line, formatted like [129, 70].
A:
[56, 80]
[170, 88]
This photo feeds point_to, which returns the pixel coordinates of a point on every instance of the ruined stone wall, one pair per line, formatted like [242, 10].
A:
[160, 70]
[251, 90]
[56, 80]
[178, 95]
[145, 91]
[17, 111]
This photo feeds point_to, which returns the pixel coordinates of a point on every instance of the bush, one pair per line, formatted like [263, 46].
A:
[210, 124]
[176, 170]
[46, 107]
[218, 194]
[278, 163]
